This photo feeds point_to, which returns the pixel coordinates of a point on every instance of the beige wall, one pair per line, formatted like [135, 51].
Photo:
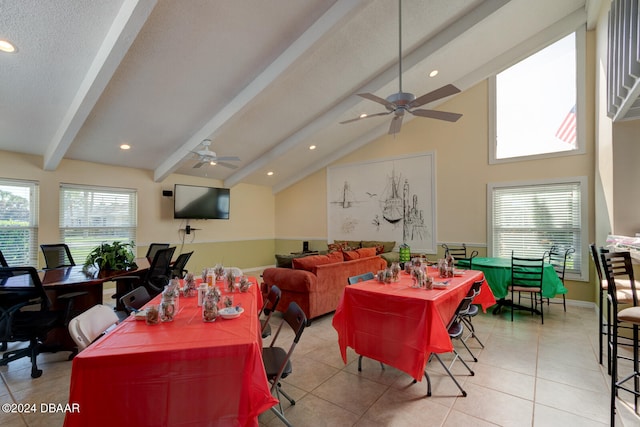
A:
[245, 240]
[462, 174]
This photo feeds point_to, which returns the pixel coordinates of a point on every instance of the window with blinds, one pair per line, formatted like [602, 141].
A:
[19, 222]
[93, 215]
[530, 218]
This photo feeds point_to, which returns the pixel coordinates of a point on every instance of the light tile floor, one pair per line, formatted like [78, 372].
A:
[528, 374]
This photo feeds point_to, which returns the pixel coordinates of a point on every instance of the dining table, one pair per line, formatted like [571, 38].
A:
[185, 372]
[497, 271]
[401, 325]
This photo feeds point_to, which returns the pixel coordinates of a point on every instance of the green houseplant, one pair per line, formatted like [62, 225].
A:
[112, 256]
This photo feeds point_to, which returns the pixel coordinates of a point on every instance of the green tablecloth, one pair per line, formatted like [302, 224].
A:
[497, 271]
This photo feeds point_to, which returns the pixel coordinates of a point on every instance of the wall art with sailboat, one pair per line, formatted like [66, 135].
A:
[385, 199]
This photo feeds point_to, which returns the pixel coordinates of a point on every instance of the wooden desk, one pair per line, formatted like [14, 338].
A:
[181, 373]
[398, 325]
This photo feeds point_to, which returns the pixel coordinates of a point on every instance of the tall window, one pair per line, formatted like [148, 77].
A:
[537, 104]
[529, 218]
[19, 222]
[92, 215]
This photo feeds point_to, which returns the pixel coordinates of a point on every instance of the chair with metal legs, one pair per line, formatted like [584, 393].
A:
[472, 312]
[352, 281]
[618, 265]
[558, 259]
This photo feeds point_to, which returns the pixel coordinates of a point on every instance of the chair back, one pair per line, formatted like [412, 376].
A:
[90, 325]
[475, 287]
[297, 320]
[22, 285]
[178, 269]
[153, 248]
[161, 263]
[596, 261]
[527, 272]
[3, 261]
[360, 278]
[135, 299]
[558, 259]
[57, 255]
[459, 252]
[269, 306]
[617, 265]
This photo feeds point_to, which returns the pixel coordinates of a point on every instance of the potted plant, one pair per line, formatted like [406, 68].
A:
[112, 256]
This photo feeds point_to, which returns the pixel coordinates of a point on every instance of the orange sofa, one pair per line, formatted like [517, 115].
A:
[316, 282]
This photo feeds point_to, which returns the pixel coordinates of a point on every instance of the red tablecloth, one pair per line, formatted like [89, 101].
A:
[400, 326]
[180, 373]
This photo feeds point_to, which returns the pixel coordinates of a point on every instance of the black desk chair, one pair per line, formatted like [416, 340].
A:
[57, 255]
[155, 279]
[24, 314]
[179, 267]
[153, 248]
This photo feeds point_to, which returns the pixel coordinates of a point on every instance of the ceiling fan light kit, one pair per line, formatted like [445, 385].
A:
[401, 102]
[207, 156]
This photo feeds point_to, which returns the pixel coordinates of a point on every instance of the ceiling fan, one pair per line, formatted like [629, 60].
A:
[403, 102]
[207, 156]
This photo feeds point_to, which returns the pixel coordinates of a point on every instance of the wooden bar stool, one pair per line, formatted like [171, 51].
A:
[630, 315]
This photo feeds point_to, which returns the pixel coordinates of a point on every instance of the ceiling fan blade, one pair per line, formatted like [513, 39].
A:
[396, 124]
[199, 164]
[366, 117]
[440, 115]
[227, 165]
[229, 158]
[374, 98]
[444, 91]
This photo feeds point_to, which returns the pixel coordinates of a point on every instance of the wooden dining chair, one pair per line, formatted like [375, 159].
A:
[558, 259]
[526, 277]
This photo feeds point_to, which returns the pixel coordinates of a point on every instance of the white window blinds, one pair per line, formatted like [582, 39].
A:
[19, 222]
[529, 219]
[92, 215]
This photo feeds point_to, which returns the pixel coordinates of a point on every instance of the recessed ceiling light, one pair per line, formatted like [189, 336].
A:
[433, 73]
[270, 173]
[363, 115]
[212, 163]
[6, 46]
[125, 146]
[312, 147]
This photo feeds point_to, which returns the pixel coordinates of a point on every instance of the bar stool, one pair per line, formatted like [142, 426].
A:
[617, 264]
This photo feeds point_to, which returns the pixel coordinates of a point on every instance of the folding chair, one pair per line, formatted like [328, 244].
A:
[269, 306]
[90, 325]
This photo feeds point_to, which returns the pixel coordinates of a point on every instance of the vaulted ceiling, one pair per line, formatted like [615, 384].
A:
[263, 80]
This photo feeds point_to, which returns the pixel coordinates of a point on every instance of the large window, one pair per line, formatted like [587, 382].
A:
[536, 105]
[92, 215]
[529, 218]
[19, 222]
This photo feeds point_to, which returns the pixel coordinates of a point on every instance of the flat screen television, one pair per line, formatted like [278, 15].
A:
[196, 202]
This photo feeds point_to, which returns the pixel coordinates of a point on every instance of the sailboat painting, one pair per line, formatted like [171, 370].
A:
[391, 199]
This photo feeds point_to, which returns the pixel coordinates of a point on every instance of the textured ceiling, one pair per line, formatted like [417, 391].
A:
[262, 79]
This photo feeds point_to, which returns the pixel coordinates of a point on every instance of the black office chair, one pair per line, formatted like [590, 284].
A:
[558, 259]
[178, 269]
[269, 306]
[3, 261]
[57, 255]
[526, 276]
[153, 248]
[277, 360]
[25, 315]
[155, 278]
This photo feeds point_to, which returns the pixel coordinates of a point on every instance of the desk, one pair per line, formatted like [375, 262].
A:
[181, 373]
[497, 271]
[401, 326]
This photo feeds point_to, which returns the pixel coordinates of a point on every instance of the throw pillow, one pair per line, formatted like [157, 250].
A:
[387, 246]
[351, 255]
[311, 262]
[366, 252]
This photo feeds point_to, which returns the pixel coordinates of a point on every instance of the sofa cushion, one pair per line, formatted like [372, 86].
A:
[311, 262]
[359, 253]
[345, 245]
[387, 246]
